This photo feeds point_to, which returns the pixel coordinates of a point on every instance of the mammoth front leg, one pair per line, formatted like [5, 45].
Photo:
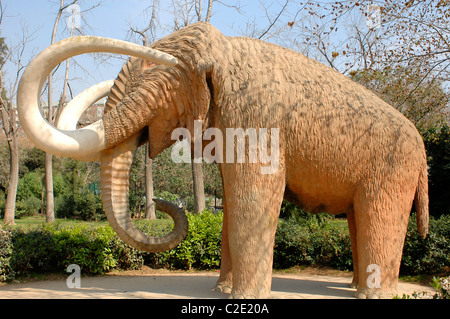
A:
[253, 205]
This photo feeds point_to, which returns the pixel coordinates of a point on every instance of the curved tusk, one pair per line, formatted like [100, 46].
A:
[72, 112]
[78, 144]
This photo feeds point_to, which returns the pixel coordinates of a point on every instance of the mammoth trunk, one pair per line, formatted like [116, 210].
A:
[115, 175]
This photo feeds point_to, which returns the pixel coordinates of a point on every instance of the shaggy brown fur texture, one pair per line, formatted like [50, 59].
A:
[342, 148]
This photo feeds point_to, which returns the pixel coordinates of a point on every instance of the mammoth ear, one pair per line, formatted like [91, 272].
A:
[213, 75]
[210, 87]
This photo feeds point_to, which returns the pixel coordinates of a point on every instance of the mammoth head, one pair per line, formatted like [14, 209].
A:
[111, 140]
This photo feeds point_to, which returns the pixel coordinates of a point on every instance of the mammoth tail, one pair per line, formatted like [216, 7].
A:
[421, 203]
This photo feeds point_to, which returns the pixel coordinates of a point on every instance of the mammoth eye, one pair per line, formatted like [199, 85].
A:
[147, 64]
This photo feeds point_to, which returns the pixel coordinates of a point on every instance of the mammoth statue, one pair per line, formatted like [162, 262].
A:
[341, 149]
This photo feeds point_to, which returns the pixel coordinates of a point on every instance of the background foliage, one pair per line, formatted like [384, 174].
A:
[97, 249]
[410, 73]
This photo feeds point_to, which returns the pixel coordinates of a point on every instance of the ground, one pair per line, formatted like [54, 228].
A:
[163, 284]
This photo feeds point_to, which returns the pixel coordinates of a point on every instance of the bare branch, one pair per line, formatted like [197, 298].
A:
[151, 25]
[275, 20]
[209, 12]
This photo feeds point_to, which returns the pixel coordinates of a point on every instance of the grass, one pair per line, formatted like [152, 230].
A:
[340, 224]
[33, 221]
[161, 226]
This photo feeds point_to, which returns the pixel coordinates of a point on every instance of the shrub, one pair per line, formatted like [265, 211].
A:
[51, 248]
[201, 249]
[83, 206]
[30, 185]
[126, 257]
[437, 144]
[85, 246]
[30, 206]
[34, 250]
[311, 244]
[429, 255]
[6, 272]
[442, 286]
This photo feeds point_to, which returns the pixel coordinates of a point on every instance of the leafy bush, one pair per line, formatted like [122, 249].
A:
[6, 272]
[311, 244]
[429, 255]
[85, 246]
[30, 206]
[44, 249]
[33, 250]
[30, 185]
[291, 245]
[51, 248]
[437, 144]
[300, 244]
[201, 249]
[442, 286]
[83, 206]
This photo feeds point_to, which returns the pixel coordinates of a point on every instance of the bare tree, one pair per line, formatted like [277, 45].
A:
[186, 12]
[11, 125]
[11, 129]
[73, 25]
[50, 203]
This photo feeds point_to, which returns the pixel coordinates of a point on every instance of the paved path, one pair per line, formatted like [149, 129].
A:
[176, 285]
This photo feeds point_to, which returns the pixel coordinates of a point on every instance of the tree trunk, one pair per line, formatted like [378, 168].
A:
[50, 206]
[149, 203]
[199, 190]
[13, 182]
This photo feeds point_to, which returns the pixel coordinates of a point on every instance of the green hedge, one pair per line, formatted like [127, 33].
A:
[312, 244]
[200, 250]
[97, 250]
[6, 272]
[52, 248]
[430, 255]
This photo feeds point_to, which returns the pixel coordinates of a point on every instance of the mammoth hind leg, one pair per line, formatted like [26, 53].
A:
[352, 229]
[381, 222]
[225, 282]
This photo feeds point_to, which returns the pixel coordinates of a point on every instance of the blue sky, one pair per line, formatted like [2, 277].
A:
[112, 19]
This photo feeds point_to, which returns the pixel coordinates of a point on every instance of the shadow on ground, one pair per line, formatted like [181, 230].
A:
[184, 285]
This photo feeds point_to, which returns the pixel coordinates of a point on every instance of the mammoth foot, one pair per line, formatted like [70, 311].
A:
[222, 287]
[250, 294]
[372, 293]
[238, 296]
[354, 284]
[227, 289]
[361, 295]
